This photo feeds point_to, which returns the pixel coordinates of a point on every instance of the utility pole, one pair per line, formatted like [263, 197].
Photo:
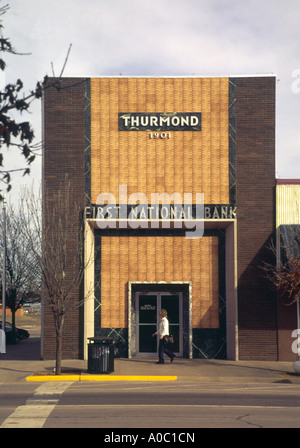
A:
[3, 342]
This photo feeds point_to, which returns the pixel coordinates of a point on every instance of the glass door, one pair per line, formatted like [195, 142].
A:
[171, 303]
[148, 308]
[147, 323]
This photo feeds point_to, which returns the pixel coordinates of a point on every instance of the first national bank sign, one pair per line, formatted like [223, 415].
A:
[173, 121]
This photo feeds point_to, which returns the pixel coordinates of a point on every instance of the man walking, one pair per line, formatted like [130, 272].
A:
[163, 330]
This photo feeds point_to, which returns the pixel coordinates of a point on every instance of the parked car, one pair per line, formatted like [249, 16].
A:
[20, 333]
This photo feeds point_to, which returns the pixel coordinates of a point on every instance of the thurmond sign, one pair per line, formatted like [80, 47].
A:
[173, 121]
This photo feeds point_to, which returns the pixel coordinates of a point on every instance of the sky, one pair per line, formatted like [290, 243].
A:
[158, 38]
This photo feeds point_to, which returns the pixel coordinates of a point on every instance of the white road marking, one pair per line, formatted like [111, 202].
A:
[36, 410]
[213, 406]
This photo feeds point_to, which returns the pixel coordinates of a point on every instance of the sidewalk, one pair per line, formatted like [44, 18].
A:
[22, 363]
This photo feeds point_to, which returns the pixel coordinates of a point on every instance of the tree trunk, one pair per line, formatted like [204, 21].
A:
[59, 338]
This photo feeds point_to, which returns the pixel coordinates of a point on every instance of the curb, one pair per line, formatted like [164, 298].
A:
[41, 378]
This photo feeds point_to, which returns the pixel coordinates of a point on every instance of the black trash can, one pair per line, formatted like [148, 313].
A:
[100, 355]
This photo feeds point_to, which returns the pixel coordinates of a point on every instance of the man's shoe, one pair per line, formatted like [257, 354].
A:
[172, 359]
[160, 362]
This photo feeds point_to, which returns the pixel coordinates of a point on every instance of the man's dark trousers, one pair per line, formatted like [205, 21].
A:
[162, 349]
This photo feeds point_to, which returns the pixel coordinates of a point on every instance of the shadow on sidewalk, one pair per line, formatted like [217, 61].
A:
[25, 350]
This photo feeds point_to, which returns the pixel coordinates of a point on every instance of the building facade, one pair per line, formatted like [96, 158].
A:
[175, 177]
[287, 239]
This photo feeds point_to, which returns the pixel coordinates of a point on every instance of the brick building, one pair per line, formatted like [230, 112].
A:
[155, 164]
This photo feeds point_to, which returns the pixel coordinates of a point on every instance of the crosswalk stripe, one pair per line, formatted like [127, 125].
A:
[37, 409]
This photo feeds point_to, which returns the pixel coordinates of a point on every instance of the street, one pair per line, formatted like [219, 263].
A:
[130, 405]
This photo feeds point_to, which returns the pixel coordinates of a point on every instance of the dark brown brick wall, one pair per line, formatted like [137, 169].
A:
[64, 154]
[255, 147]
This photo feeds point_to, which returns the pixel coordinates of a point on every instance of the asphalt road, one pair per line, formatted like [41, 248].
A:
[169, 406]
[175, 409]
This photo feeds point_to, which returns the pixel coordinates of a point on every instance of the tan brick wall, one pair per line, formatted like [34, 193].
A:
[188, 162]
[155, 259]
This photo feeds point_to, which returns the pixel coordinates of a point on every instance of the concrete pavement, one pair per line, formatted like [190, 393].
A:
[22, 363]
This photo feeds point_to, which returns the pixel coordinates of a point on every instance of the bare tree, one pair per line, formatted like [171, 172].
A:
[284, 273]
[62, 258]
[23, 277]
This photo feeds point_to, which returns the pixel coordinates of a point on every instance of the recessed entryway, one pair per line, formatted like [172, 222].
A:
[145, 302]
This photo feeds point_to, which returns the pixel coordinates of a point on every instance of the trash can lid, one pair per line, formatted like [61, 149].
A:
[100, 339]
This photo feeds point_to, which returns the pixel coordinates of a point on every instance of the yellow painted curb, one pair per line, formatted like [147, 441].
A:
[100, 378]
[53, 378]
